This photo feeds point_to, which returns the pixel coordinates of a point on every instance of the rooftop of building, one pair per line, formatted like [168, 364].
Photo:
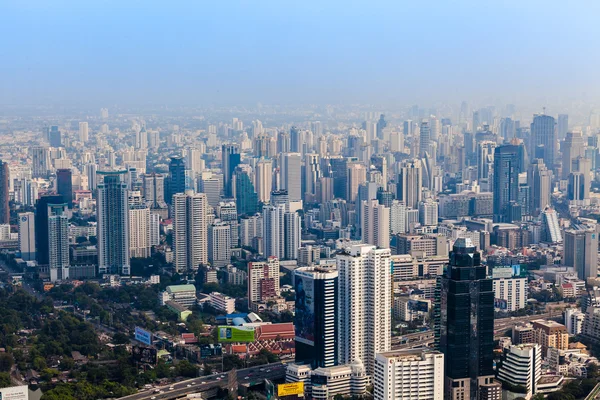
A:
[181, 288]
[408, 353]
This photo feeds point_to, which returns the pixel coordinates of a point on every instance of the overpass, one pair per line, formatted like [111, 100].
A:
[210, 385]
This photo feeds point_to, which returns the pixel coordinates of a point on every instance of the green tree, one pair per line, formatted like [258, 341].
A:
[6, 362]
[5, 380]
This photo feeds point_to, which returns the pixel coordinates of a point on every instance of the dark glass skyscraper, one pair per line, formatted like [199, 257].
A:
[246, 199]
[506, 180]
[55, 137]
[4, 195]
[543, 133]
[41, 226]
[464, 330]
[176, 176]
[230, 158]
[64, 185]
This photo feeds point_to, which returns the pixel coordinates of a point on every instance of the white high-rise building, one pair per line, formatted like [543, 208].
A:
[83, 132]
[292, 235]
[250, 228]
[574, 320]
[412, 374]
[397, 217]
[58, 242]
[513, 290]
[27, 236]
[410, 181]
[365, 304]
[375, 224]
[139, 232]
[154, 229]
[263, 180]
[290, 173]
[312, 174]
[113, 224]
[263, 280]
[523, 367]
[190, 235]
[428, 213]
[273, 231]
[219, 244]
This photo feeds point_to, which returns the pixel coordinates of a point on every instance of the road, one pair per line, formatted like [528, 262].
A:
[255, 375]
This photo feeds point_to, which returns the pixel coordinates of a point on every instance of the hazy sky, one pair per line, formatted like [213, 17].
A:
[235, 52]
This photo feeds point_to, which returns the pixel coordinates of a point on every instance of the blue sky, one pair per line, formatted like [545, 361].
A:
[239, 52]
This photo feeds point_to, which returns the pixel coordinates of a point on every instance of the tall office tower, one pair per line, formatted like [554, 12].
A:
[292, 236]
[428, 212]
[364, 305]
[64, 185]
[385, 198]
[523, 367]
[263, 180]
[244, 193]
[261, 146]
[83, 132]
[539, 179]
[356, 175]
[573, 147]
[41, 226]
[381, 124]
[315, 320]
[4, 193]
[396, 142]
[194, 161]
[189, 231]
[141, 139]
[154, 230]
[154, 190]
[411, 374]
[581, 251]
[397, 217]
[230, 158]
[55, 137]
[578, 188]
[375, 225]
[507, 128]
[551, 230]
[58, 242]
[27, 236]
[295, 140]
[506, 180]
[485, 162]
[410, 181]
[176, 177]
[90, 171]
[424, 139]
[273, 230]
[226, 211]
[40, 161]
[562, 126]
[283, 142]
[219, 244]
[290, 170]
[543, 133]
[140, 245]
[263, 280]
[213, 188]
[113, 224]
[464, 326]
[339, 169]
[312, 174]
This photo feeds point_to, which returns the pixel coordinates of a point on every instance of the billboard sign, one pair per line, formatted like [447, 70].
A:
[144, 355]
[14, 393]
[500, 304]
[290, 389]
[418, 306]
[142, 335]
[235, 334]
[304, 319]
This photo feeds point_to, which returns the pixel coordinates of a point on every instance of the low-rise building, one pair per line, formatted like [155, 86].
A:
[181, 294]
[222, 303]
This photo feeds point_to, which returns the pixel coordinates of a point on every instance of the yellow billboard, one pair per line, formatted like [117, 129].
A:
[290, 389]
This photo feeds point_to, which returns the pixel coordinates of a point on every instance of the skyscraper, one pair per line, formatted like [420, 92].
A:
[41, 226]
[64, 185]
[154, 190]
[364, 304]
[190, 234]
[290, 171]
[312, 174]
[139, 227]
[219, 244]
[83, 132]
[27, 236]
[4, 193]
[263, 281]
[573, 147]
[562, 126]
[55, 137]
[410, 183]
[295, 140]
[230, 158]
[176, 176]
[292, 224]
[263, 180]
[539, 179]
[506, 180]
[581, 251]
[464, 326]
[58, 242]
[40, 161]
[113, 223]
[424, 139]
[273, 230]
[245, 195]
[356, 174]
[375, 224]
[543, 133]
[315, 321]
